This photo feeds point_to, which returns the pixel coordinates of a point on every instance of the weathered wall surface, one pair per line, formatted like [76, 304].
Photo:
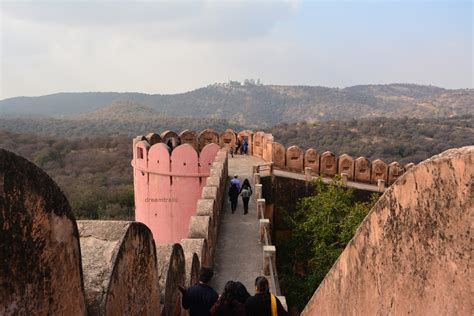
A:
[167, 187]
[412, 253]
[40, 257]
[171, 272]
[120, 268]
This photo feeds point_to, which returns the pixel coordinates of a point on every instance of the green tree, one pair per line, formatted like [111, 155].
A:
[321, 227]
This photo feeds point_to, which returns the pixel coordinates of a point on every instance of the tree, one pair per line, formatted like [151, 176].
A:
[321, 227]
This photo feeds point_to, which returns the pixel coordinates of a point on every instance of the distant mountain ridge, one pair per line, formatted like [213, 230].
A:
[261, 106]
[122, 118]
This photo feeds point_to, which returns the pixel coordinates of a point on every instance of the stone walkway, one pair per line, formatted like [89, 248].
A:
[238, 252]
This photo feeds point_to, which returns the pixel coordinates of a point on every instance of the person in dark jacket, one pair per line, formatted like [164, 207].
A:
[246, 192]
[260, 303]
[228, 304]
[233, 196]
[199, 298]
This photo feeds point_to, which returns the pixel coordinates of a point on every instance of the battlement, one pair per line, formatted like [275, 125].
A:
[293, 158]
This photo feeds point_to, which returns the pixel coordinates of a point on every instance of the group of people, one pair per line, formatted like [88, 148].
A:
[202, 300]
[245, 191]
[241, 146]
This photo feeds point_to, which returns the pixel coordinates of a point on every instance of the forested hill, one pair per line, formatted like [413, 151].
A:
[119, 119]
[261, 106]
[402, 139]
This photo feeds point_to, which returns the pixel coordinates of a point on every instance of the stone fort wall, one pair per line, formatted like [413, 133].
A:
[57, 265]
[293, 158]
[412, 253]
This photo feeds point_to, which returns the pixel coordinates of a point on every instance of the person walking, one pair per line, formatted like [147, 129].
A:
[237, 146]
[233, 196]
[236, 181]
[228, 303]
[263, 303]
[246, 192]
[201, 297]
[245, 146]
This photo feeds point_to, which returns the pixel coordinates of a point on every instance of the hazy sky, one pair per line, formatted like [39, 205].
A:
[169, 47]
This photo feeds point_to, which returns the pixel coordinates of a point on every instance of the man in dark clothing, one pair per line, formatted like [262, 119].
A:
[260, 304]
[199, 298]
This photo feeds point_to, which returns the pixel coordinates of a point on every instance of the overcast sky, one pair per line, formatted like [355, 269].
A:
[170, 47]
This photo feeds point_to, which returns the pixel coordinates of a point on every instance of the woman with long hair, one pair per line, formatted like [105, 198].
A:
[228, 303]
[246, 192]
[263, 303]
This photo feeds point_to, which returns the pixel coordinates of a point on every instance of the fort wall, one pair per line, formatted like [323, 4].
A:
[40, 254]
[326, 164]
[124, 272]
[167, 186]
[412, 253]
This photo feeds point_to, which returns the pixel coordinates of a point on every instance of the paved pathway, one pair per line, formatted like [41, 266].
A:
[238, 252]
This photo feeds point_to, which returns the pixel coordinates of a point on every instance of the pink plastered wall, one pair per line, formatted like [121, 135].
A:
[167, 187]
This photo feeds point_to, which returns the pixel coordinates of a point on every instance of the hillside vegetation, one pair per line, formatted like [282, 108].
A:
[96, 175]
[404, 139]
[262, 106]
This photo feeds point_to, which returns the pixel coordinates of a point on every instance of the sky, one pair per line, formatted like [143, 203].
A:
[173, 47]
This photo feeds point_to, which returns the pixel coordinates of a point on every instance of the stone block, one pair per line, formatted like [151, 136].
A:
[379, 171]
[294, 159]
[362, 170]
[171, 272]
[120, 268]
[395, 171]
[346, 165]
[328, 165]
[311, 160]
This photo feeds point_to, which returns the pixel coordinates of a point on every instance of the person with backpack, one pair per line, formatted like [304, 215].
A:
[246, 192]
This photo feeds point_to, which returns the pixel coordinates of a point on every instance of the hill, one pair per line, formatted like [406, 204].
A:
[122, 118]
[262, 106]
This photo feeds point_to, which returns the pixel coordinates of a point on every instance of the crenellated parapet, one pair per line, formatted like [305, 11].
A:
[325, 164]
[294, 158]
[168, 182]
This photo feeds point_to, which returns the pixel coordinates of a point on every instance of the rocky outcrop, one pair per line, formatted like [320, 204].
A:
[120, 269]
[412, 253]
[40, 257]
